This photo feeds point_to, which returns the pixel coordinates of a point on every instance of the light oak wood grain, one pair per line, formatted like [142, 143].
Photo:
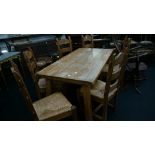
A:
[81, 66]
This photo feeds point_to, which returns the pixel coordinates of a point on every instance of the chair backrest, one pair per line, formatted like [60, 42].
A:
[64, 45]
[126, 42]
[31, 62]
[23, 88]
[87, 41]
[125, 50]
[113, 76]
[33, 68]
[125, 60]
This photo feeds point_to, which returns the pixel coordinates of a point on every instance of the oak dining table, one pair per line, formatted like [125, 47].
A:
[83, 67]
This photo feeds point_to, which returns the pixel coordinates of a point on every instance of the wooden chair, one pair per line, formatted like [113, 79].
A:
[87, 41]
[64, 46]
[40, 84]
[103, 92]
[126, 42]
[41, 62]
[125, 50]
[53, 107]
[106, 67]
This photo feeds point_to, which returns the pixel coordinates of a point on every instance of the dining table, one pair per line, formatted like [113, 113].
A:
[83, 67]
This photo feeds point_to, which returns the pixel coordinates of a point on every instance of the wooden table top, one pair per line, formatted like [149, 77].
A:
[82, 66]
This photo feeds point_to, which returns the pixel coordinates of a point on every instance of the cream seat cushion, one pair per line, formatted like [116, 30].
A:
[51, 106]
[98, 90]
[105, 69]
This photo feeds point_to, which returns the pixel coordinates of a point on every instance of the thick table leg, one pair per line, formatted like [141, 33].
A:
[48, 87]
[87, 103]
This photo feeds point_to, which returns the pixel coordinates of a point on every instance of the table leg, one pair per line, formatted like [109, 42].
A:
[48, 87]
[87, 103]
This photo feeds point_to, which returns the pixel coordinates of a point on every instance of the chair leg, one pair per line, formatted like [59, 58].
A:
[115, 102]
[74, 113]
[78, 95]
[104, 114]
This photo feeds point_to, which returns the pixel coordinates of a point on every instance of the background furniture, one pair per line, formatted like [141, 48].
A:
[64, 46]
[43, 45]
[87, 41]
[135, 65]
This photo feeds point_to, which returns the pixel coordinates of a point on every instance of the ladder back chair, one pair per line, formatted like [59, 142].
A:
[40, 84]
[87, 41]
[104, 92]
[41, 62]
[126, 42]
[53, 107]
[64, 46]
[106, 67]
[125, 50]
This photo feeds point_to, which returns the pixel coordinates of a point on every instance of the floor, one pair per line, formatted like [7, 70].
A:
[131, 106]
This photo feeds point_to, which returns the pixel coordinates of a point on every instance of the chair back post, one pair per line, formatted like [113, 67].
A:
[23, 89]
[31, 62]
[112, 79]
[109, 77]
[33, 68]
[87, 41]
[125, 50]
[107, 87]
[125, 42]
[70, 43]
[113, 76]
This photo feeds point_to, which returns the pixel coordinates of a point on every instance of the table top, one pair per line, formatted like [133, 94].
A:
[82, 66]
[8, 55]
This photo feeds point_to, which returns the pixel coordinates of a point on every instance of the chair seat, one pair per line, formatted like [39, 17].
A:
[105, 69]
[51, 106]
[98, 89]
[42, 83]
